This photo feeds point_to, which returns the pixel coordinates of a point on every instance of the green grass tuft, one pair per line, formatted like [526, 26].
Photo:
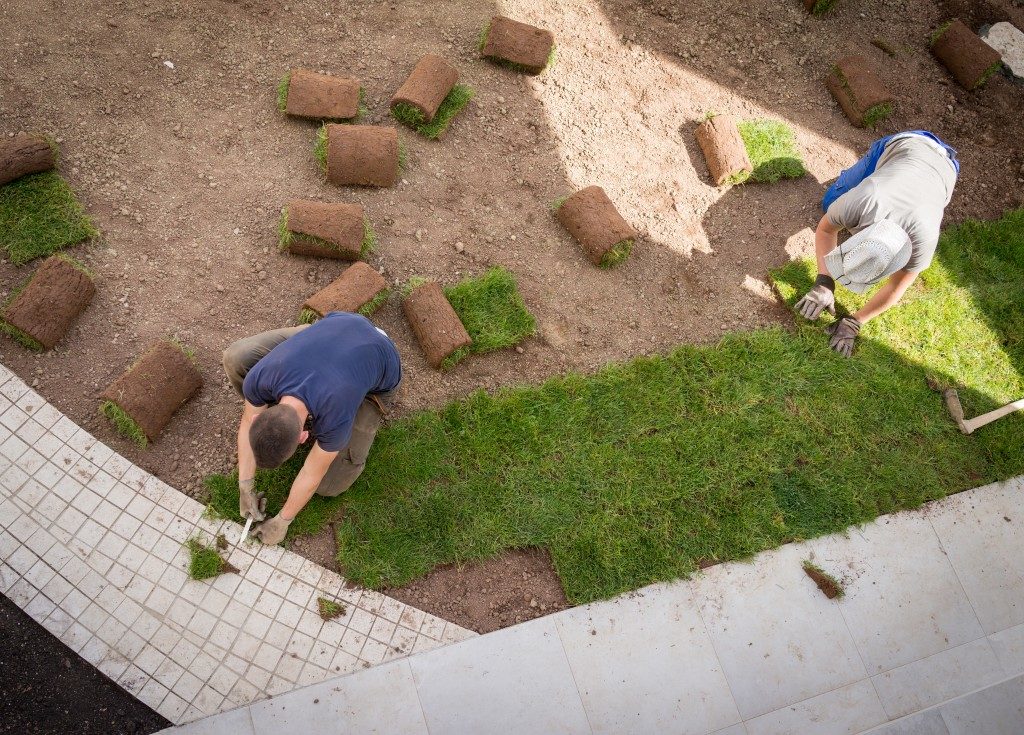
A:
[77, 265]
[40, 215]
[557, 203]
[369, 239]
[939, 32]
[771, 146]
[482, 39]
[282, 91]
[124, 423]
[284, 235]
[988, 74]
[823, 6]
[204, 561]
[829, 585]
[413, 282]
[876, 114]
[493, 312]
[452, 105]
[320, 148]
[618, 253]
[403, 157]
[308, 316]
[330, 609]
[375, 303]
[639, 472]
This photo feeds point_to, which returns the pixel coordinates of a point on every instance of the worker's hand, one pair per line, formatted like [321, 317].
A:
[272, 531]
[843, 334]
[251, 505]
[818, 299]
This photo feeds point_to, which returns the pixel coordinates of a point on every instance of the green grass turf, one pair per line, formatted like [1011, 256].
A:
[452, 105]
[618, 253]
[330, 609]
[40, 215]
[646, 469]
[320, 148]
[282, 91]
[492, 311]
[877, 114]
[823, 6]
[813, 569]
[204, 561]
[124, 423]
[771, 146]
[375, 303]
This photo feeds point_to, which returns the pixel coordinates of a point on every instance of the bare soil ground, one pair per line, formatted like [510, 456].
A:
[185, 170]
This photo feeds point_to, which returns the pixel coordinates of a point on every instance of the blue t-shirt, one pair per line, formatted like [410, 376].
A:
[330, 366]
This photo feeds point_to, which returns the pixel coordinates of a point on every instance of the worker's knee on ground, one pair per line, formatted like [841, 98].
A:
[340, 479]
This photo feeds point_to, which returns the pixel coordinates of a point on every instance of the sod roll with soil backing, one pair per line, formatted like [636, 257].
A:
[322, 96]
[519, 45]
[435, 323]
[859, 91]
[49, 304]
[970, 60]
[362, 155]
[595, 223]
[726, 155]
[323, 230]
[427, 85]
[25, 154]
[358, 285]
[152, 389]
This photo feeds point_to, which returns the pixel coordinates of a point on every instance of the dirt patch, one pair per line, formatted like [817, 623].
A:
[723, 147]
[514, 587]
[325, 230]
[322, 96]
[969, 59]
[525, 46]
[321, 548]
[48, 306]
[595, 223]
[428, 84]
[358, 286]
[977, 13]
[435, 323]
[362, 155]
[155, 387]
[25, 154]
[857, 88]
[48, 690]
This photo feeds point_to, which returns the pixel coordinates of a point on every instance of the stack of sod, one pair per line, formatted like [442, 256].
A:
[25, 154]
[325, 230]
[39, 213]
[360, 289]
[143, 399]
[42, 312]
[358, 155]
[304, 93]
[771, 146]
[430, 98]
[859, 91]
[969, 59]
[204, 561]
[595, 223]
[516, 45]
[819, 7]
[726, 155]
[434, 322]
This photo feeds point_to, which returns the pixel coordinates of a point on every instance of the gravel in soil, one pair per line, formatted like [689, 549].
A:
[49, 690]
[185, 170]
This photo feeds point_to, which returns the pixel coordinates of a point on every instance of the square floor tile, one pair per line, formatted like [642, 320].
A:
[997, 710]
[642, 661]
[844, 711]
[778, 638]
[1008, 646]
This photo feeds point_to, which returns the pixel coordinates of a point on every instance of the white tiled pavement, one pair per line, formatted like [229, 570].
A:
[91, 548]
[929, 639]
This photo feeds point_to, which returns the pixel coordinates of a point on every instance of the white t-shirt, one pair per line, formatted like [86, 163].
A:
[911, 185]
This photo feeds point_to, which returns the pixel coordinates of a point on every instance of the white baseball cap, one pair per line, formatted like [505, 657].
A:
[875, 252]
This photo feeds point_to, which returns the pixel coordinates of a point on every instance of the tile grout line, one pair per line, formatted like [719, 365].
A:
[718, 660]
[419, 698]
[568, 663]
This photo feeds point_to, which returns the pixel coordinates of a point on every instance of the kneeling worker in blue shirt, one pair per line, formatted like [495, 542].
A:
[335, 372]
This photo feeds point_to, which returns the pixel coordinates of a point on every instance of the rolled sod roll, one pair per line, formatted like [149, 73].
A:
[358, 286]
[435, 323]
[970, 60]
[152, 389]
[723, 147]
[25, 154]
[321, 96]
[593, 220]
[323, 230]
[521, 45]
[50, 303]
[362, 155]
[429, 83]
[859, 91]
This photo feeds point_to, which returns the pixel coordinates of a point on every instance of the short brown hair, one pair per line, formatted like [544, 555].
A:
[274, 436]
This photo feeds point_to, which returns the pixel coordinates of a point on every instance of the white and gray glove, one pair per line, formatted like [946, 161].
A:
[818, 299]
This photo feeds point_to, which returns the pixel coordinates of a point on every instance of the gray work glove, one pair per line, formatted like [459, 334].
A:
[843, 334]
[272, 531]
[818, 299]
[251, 505]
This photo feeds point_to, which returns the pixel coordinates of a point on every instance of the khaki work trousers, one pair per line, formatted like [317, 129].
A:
[243, 354]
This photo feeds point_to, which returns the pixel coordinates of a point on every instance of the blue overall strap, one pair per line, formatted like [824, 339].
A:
[859, 171]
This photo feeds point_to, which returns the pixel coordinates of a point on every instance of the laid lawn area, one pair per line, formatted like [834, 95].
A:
[645, 470]
[39, 215]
